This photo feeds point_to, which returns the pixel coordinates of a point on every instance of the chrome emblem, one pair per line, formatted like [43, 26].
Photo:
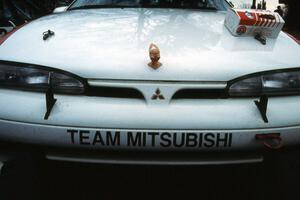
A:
[154, 54]
[158, 95]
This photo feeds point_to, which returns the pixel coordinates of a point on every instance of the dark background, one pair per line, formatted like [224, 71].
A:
[277, 178]
[19, 11]
[293, 17]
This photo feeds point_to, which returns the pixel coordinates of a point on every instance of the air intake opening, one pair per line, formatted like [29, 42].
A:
[114, 92]
[200, 94]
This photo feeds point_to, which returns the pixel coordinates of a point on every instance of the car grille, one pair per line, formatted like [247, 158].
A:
[145, 90]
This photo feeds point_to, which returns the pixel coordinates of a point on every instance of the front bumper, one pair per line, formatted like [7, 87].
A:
[143, 139]
[99, 123]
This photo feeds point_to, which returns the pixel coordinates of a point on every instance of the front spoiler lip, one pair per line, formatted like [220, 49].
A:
[10, 151]
[178, 161]
[57, 136]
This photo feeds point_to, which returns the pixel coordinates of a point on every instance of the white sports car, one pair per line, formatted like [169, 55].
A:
[147, 82]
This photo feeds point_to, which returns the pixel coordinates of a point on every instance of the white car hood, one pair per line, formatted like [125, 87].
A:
[113, 44]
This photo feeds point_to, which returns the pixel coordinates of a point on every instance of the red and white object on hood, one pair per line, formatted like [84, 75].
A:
[242, 22]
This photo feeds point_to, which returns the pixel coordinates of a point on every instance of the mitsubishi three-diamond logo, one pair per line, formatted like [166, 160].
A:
[158, 95]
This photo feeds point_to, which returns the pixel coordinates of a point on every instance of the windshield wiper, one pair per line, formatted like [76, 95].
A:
[101, 6]
[199, 8]
[205, 7]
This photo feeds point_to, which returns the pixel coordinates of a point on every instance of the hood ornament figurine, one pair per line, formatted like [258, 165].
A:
[154, 54]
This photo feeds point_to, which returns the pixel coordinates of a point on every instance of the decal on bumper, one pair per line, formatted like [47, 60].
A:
[153, 139]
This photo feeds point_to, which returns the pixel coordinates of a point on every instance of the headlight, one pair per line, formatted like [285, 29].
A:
[271, 84]
[37, 79]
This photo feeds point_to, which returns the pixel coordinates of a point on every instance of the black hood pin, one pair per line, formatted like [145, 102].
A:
[48, 34]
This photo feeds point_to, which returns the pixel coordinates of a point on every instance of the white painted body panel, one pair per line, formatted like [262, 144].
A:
[113, 44]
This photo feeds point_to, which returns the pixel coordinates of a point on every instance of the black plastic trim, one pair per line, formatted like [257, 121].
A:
[114, 92]
[200, 94]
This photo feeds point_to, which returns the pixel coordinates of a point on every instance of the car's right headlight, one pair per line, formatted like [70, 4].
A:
[276, 83]
[34, 78]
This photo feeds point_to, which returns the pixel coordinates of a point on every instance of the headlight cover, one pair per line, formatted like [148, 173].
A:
[278, 83]
[29, 77]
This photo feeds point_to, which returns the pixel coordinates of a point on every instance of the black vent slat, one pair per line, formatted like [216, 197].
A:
[115, 92]
[200, 94]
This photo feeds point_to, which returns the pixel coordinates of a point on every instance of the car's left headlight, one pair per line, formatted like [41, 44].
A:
[27, 77]
[270, 83]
